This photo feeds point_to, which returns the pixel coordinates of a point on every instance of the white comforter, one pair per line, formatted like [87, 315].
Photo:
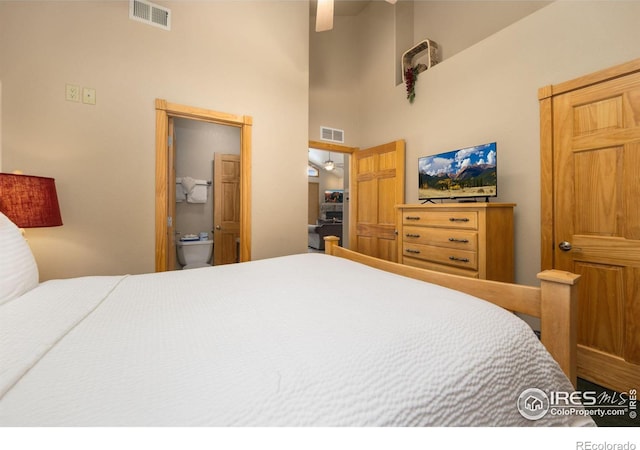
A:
[301, 340]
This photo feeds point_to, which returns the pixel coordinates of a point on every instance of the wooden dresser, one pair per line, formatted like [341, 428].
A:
[470, 239]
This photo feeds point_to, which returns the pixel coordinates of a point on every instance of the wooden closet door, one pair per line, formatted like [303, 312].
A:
[596, 178]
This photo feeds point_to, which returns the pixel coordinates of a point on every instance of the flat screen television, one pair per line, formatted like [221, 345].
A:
[334, 196]
[466, 173]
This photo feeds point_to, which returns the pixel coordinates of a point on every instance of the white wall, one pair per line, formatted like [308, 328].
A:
[248, 58]
[488, 92]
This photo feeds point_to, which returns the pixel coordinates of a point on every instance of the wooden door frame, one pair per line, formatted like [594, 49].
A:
[164, 110]
[336, 148]
[329, 147]
[547, 188]
[172, 257]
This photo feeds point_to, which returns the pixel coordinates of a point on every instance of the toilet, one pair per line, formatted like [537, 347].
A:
[192, 254]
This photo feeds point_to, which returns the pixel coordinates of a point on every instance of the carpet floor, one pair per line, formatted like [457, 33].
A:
[607, 421]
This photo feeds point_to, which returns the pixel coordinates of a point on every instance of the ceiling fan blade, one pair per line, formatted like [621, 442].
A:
[324, 15]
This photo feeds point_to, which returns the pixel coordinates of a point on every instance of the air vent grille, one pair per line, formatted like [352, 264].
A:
[331, 134]
[150, 13]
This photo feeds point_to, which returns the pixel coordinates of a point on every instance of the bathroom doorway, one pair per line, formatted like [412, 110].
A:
[207, 168]
[166, 114]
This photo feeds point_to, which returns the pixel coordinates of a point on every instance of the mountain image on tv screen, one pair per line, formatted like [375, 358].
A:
[467, 172]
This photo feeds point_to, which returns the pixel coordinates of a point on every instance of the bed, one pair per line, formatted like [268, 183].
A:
[301, 340]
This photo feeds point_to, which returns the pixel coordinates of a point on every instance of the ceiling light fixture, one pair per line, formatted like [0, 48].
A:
[328, 164]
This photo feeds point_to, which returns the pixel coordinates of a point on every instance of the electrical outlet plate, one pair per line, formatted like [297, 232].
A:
[89, 96]
[72, 93]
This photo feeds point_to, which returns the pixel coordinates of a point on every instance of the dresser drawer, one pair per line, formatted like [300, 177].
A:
[469, 239]
[441, 267]
[441, 237]
[449, 219]
[448, 256]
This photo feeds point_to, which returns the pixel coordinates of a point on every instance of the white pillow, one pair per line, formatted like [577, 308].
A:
[18, 268]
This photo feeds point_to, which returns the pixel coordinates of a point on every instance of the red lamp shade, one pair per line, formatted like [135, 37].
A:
[29, 201]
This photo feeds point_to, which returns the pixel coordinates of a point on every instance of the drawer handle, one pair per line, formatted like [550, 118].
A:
[410, 250]
[464, 241]
[411, 235]
[458, 219]
[413, 217]
[455, 258]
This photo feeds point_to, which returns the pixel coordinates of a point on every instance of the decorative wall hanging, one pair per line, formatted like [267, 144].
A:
[411, 69]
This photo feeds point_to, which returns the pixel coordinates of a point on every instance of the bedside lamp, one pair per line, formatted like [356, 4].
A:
[29, 201]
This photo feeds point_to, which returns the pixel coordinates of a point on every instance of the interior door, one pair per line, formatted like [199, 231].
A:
[226, 208]
[314, 203]
[596, 155]
[171, 196]
[377, 185]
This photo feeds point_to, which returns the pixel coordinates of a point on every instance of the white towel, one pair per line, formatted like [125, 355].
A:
[188, 184]
[198, 194]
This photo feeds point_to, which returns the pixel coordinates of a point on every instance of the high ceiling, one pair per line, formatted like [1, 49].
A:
[341, 7]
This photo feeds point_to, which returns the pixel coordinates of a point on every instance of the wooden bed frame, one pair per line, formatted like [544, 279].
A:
[554, 302]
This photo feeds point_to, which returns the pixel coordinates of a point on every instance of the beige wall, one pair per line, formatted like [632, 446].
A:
[341, 59]
[237, 57]
[252, 58]
[334, 80]
[488, 92]
[458, 25]
[484, 90]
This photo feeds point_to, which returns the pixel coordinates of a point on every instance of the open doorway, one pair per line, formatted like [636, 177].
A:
[166, 113]
[207, 172]
[329, 205]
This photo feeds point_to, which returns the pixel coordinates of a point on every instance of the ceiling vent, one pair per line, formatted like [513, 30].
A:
[150, 13]
[332, 134]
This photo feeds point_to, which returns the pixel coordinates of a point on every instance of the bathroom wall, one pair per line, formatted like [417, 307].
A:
[196, 143]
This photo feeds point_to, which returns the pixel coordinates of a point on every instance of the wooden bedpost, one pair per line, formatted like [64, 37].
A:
[329, 243]
[558, 318]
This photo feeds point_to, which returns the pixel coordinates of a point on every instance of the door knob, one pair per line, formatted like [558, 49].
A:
[218, 227]
[564, 246]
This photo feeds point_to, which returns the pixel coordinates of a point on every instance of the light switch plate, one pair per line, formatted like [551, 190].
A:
[89, 96]
[72, 93]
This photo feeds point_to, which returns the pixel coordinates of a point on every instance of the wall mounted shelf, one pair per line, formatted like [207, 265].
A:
[410, 56]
